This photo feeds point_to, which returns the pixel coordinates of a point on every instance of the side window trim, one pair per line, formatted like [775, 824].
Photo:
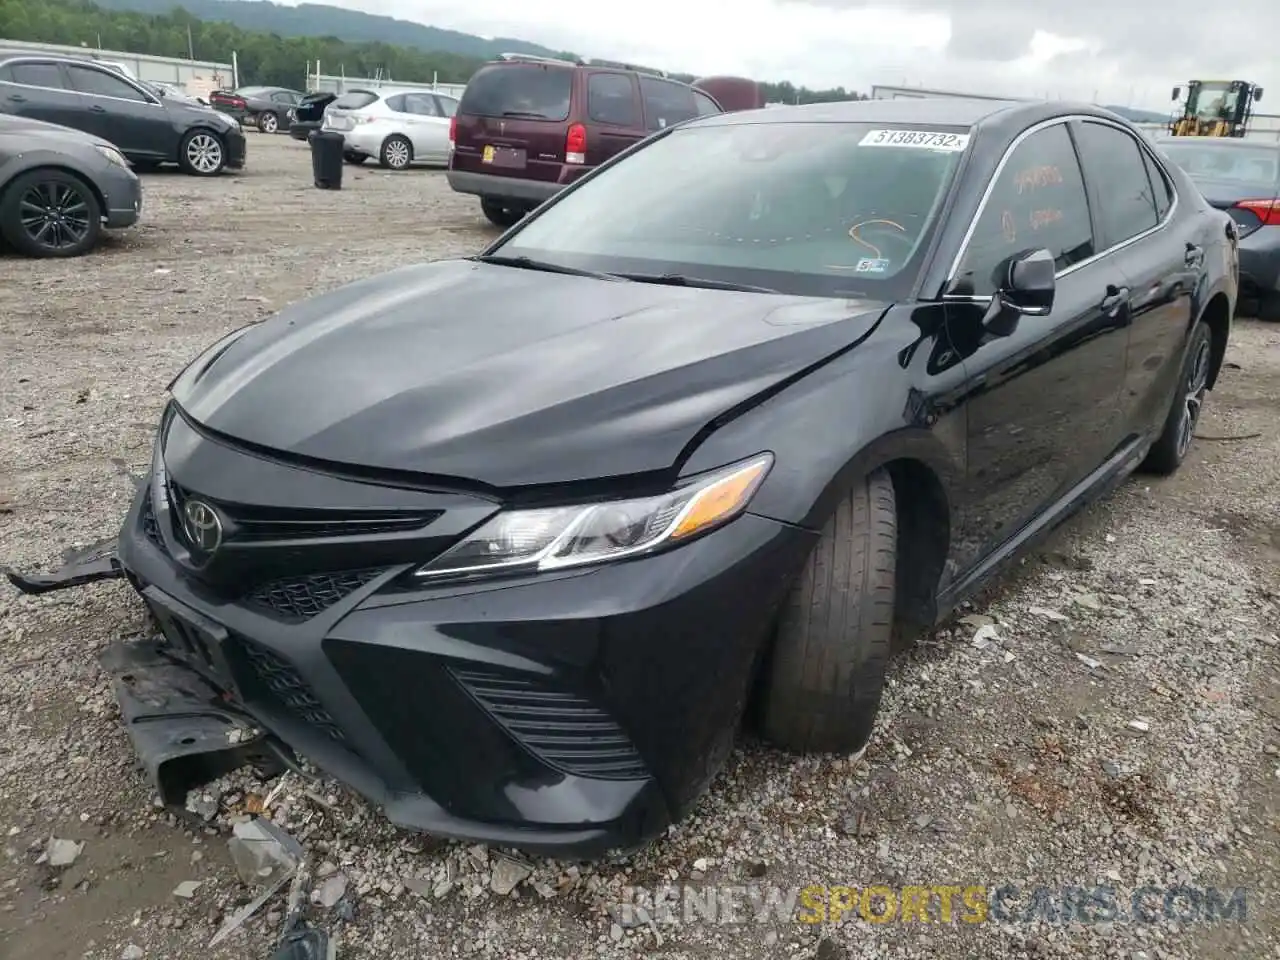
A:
[56, 64]
[995, 176]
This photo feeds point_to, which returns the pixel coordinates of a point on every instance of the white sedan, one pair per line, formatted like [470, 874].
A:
[397, 127]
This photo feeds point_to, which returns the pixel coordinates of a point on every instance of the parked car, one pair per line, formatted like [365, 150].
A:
[683, 447]
[147, 129]
[309, 114]
[59, 188]
[169, 91]
[396, 127]
[528, 126]
[1241, 177]
[270, 109]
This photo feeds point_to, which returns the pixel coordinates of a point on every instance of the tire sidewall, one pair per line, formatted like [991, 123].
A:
[17, 238]
[186, 164]
[386, 159]
[266, 119]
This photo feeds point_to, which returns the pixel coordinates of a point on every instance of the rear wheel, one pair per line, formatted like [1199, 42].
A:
[268, 122]
[1174, 442]
[397, 152]
[202, 153]
[826, 671]
[501, 214]
[50, 213]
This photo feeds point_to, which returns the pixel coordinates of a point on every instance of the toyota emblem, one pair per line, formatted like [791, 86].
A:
[201, 525]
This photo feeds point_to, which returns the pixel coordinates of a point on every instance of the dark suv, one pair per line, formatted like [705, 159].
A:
[147, 129]
[528, 126]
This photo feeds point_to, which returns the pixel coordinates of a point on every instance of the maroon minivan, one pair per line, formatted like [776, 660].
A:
[528, 126]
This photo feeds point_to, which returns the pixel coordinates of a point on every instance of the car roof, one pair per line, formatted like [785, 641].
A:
[397, 91]
[944, 111]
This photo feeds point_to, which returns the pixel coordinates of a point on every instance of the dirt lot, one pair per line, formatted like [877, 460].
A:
[1010, 761]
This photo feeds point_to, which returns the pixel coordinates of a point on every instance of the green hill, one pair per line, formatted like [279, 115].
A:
[322, 20]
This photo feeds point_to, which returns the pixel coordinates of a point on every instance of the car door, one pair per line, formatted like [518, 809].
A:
[1160, 258]
[37, 90]
[613, 111]
[1042, 406]
[428, 127]
[123, 113]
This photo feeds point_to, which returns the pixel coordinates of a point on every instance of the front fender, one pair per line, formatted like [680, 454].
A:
[888, 399]
[19, 163]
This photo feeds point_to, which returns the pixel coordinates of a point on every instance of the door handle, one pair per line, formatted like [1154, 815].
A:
[1116, 298]
[17, 98]
[97, 109]
[1194, 256]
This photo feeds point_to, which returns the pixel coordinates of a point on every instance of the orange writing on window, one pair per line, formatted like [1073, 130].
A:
[1033, 178]
[1008, 227]
[1043, 218]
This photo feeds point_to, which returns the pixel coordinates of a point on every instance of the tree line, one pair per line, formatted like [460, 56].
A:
[266, 58]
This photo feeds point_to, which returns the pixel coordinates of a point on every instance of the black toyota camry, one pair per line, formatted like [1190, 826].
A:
[515, 543]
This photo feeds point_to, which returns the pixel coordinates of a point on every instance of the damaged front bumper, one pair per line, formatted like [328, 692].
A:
[573, 714]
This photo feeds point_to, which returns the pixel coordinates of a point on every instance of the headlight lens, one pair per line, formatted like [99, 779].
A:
[552, 538]
[113, 155]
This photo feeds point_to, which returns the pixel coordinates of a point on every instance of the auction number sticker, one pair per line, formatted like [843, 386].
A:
[919, 139]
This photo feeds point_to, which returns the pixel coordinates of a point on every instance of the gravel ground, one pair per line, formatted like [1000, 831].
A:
[1007, 752]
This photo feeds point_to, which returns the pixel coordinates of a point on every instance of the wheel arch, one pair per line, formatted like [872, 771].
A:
[1216, 315]
[8, 174]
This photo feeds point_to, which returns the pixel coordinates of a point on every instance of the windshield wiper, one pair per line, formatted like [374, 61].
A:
[528, 263]
[525, 113]
[679, 280]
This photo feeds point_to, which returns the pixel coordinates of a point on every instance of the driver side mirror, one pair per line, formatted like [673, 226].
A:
[1176, 92]
[1257, 93]
[1029, 283]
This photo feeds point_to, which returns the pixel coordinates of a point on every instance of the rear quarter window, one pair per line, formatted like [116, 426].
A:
[355, 100]
[528, 90]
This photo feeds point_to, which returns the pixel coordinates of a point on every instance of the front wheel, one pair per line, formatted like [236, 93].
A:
[499, 214]
[826, 671]
[1174, 442]
[397, 153]
[50, 213]
[202, 153]
[268, 122]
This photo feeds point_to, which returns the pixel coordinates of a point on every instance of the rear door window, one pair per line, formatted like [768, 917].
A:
[666, 103]
[706, 106]
[354, 100]
[521, 90]
[1160, 184]
[100, 83]
[611, 99]
[36, 75]
[1113, 163]
[421, 104]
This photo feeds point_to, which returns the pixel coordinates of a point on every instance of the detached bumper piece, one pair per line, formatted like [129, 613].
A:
[184, 730]
[97, 562]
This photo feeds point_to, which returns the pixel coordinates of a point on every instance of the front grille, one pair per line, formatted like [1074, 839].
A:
[300, 598]
[245, 524]
[273, 679]
[562, 728]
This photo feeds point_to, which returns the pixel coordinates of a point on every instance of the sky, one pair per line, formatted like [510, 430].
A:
[1126, 52]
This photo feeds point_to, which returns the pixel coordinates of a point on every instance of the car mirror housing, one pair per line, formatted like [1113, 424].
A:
[1029, 282]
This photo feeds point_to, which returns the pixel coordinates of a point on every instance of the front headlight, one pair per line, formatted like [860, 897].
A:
[552, 538]
[113, 155]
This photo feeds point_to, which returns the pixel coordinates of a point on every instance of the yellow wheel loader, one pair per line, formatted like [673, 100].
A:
[1215, 108]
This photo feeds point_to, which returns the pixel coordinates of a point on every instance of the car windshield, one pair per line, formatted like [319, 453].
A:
[1258, 166]
[821, 209]
[531, 91]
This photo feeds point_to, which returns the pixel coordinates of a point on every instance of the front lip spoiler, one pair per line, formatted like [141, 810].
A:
[79, 567]
[183, 730]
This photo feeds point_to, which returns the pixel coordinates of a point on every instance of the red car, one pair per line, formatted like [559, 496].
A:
[528, 126]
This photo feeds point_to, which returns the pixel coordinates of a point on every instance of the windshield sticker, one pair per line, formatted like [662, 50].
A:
[871, 265]
[918, 139]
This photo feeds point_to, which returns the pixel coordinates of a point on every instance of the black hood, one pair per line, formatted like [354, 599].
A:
[508, 376]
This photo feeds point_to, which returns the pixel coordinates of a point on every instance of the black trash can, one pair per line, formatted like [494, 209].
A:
[326, 159]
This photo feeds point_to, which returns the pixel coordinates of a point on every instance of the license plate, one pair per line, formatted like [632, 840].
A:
[503, 156]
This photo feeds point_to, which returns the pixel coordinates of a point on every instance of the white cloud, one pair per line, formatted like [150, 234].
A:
[1120, 51]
